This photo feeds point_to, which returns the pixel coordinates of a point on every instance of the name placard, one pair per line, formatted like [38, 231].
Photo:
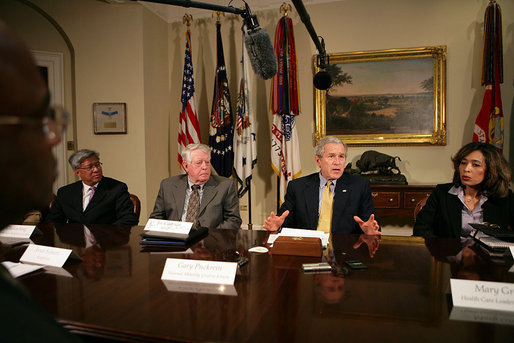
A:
[20, 269]
[483, 294]
[46, 256]
[18, 231]
[168, 227]
[199, 288]
[467, 314]
[221, 273]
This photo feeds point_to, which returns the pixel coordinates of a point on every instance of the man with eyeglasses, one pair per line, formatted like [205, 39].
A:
[94, 199]
[199, 197]
[28, 131]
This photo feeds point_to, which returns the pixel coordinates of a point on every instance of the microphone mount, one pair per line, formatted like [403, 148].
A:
[250, 19]
[322, 59]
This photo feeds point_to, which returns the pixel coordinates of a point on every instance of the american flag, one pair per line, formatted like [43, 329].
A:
[221, 128]
[188, 126]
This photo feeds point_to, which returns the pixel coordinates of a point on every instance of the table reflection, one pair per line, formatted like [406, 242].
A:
[467, 260]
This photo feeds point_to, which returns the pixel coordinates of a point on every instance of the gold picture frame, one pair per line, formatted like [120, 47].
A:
[384, 97]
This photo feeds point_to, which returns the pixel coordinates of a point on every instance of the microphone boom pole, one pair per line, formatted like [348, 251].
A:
[306, 20]
[196, 4]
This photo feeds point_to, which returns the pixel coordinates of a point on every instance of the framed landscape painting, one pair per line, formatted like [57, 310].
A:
[384, 97]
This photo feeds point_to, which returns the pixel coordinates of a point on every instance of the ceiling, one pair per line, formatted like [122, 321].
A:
[171, 13]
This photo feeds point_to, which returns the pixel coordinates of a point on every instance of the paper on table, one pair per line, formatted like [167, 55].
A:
[19, 269]
[18, 231]
[324, 236]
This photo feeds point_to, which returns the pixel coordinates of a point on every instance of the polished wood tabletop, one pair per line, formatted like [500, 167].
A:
[116, 291]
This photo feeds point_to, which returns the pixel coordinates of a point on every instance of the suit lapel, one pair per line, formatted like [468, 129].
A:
[342, 193]
[100, 193]
[209, 191]
[454, 206]
[311, 198]
[76, 199]
[180, 199]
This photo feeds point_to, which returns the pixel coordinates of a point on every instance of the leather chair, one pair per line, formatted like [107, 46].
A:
[137, 204]
[419, 206]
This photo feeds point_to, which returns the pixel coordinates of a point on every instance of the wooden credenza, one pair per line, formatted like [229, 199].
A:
[398, 200]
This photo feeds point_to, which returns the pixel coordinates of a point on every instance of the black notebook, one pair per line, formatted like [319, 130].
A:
[502, 234]
[156, 240]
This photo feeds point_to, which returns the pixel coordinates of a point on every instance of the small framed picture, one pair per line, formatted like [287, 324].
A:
[109, 117]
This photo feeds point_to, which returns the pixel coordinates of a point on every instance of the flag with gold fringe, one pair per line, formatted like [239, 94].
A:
[489, 123]
[188, 126]
[285, 105]
[220, 126]
[245, 143]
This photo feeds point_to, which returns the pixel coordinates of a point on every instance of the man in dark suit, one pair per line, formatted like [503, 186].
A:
[352, 209]
[28, 131]
[93, 200]
[217, 204]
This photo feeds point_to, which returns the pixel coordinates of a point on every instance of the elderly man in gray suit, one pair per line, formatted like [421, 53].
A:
[199, 197]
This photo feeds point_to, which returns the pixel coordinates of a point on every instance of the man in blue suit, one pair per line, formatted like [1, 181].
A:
[352, 209]
[95, 199]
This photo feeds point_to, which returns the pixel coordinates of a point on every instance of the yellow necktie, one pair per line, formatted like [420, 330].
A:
[325, 213]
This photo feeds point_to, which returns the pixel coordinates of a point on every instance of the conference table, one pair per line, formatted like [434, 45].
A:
[115, 291]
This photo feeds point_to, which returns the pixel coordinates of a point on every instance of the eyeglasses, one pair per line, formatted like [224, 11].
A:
[97, 165]
[54, 122]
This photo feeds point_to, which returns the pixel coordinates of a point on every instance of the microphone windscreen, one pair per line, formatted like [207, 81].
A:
[322, 80]
[261, 53]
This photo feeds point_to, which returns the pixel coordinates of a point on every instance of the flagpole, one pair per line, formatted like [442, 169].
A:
[250, 225]
[278, 193]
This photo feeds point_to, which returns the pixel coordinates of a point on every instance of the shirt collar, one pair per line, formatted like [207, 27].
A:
[459, 192]
[190, 184]
[86, 187]
[323, 181]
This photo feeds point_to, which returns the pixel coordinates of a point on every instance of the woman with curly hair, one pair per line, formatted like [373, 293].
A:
[479, 193]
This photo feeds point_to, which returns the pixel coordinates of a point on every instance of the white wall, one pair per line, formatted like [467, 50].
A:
[121, 49]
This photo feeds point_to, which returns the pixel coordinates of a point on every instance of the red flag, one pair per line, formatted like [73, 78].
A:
[188, 125]
[489, 122]
[285, 105]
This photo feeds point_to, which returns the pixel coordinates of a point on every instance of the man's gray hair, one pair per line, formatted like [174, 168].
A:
[320, 147]
[186, 153]
[79, 156]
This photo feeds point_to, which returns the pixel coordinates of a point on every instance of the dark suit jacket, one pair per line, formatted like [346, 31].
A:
[352, 198]
[24, 320]
[442, 214]
[110, 205]
[219, 207]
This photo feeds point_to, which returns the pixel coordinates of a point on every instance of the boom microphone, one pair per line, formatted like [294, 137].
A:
[322, 80]
[260, 50]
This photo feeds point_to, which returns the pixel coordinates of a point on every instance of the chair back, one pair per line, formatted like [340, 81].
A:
[137, 204]
[419, 206]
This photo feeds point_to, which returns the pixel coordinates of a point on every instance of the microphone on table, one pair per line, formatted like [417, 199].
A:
[260, 50]
[322, 79]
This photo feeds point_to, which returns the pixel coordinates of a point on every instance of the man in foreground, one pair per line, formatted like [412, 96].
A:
[28, 130]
